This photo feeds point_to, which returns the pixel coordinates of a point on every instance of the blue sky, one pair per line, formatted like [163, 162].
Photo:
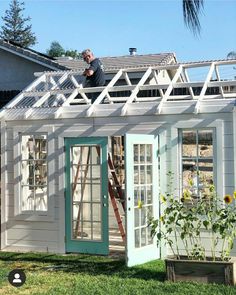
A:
[109, 28]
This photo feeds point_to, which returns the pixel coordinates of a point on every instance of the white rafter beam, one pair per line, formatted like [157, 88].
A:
[46, 96]
[46, 88]
[67, 102]
[71, 97]
[42, 93]
[127, 78]
[185, 74]
[51, 80]
[78, 90]
[19, 97]
[155, 75]
[74, 81]
[104, 92]
[169, 89]
[57, 99]
[204, 88]
[218, 78]
[136, 90]
[42, 100]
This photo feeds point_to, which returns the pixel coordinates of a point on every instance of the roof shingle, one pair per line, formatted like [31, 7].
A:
[123, 62]
[110, 63]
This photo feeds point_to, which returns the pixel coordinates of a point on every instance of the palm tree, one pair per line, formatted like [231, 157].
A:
[232, 55]
[191, 11]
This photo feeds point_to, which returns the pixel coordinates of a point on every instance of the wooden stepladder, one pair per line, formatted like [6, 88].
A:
[116, 193]
[114, 189]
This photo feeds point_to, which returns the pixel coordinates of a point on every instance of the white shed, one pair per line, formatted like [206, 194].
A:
[81, 177]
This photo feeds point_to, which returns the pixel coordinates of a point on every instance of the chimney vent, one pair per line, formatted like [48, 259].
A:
[132, 50]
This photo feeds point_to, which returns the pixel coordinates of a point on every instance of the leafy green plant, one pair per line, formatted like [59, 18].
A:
[185, 220]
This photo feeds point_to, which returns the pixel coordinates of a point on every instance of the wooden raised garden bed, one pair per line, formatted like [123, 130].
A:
[221, 272]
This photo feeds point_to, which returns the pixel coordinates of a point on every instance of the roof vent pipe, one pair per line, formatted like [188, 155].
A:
[132, 50]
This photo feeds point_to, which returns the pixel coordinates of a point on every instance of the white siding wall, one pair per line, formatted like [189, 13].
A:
[21, 231]
[47, 234]
[228, 155]
[224, 157]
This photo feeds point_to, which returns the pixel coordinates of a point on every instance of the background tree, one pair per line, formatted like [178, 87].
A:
[73, 53]
[56, 50]
[15, 26]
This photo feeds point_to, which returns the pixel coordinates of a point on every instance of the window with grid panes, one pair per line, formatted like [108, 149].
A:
[197, 162]
[143, 193]
[34, 176]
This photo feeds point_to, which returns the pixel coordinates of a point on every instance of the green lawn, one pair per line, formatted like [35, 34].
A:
[88, 275]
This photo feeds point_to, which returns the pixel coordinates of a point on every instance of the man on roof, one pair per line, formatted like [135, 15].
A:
[95, 73]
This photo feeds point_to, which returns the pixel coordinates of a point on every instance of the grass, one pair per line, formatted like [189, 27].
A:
[87, 275]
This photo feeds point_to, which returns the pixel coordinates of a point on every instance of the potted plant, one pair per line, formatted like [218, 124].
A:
[200, 235]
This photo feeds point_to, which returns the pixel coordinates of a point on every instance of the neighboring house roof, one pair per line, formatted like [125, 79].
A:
[110, 63]
[31, 54]
[122, 62]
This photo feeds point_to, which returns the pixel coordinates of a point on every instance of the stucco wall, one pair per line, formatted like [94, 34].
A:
[16, 72]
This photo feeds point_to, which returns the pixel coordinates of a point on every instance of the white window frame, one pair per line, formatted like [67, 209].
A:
[174, 152]
[33, 160]
[180, 136]
[34, 215]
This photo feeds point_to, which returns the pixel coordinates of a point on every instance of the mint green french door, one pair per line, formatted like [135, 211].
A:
[141, 162]
[86, 195]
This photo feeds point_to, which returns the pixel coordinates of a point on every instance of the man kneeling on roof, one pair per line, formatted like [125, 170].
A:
[95, 75]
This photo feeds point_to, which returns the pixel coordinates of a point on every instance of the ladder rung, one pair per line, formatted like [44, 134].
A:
[116, 210]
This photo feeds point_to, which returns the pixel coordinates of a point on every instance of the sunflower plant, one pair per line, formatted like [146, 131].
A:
[186, 222]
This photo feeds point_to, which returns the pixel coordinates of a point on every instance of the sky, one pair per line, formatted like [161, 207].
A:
[111, 27]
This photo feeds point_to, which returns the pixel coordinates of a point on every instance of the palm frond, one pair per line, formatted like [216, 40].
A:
[191, 11]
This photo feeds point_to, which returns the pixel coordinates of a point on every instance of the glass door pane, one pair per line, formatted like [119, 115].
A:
[143, 205]
[142, 196]
[86, 192]
[86, 195]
